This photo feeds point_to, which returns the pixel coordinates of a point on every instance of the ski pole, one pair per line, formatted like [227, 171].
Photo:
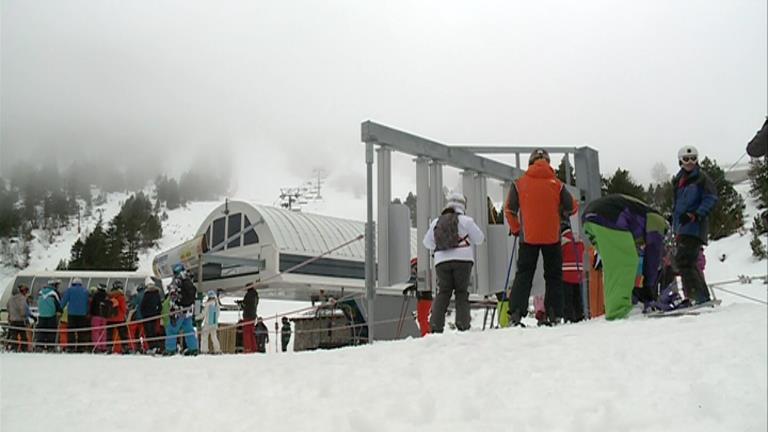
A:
[506, 280]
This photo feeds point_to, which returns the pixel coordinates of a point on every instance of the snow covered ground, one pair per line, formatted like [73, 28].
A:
[702, 373]
[693, 373]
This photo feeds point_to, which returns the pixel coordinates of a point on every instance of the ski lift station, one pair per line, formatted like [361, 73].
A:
[294, 255]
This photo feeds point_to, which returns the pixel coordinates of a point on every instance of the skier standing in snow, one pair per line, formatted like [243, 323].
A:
[100, 311]
[695, 197]
[629, 236]
[182, 299]
[573, 251]
[536, 203]
[451, 237]
[76, 299]
[151, 307]
[285, 333]
[210, 318]
[17, 319]
[48, 308]
[120, 310]
[262, 336]
[249, 304]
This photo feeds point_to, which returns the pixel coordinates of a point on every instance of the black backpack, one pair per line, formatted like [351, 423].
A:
[447, 232]
[188, 292]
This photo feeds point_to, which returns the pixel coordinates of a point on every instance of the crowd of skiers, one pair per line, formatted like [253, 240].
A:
[104, 321]
[627, 234]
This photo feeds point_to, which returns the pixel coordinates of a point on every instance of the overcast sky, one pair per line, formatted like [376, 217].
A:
[279, 88]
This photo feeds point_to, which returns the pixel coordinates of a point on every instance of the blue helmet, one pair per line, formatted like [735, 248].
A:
[178, 269]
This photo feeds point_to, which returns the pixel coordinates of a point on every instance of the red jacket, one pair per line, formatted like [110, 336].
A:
[573, 264]
[118, 302]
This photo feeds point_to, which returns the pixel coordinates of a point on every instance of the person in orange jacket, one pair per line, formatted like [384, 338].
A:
[120, 310]
[536, 203]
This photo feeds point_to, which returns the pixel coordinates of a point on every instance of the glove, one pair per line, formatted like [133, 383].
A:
[515, 233]
[687, 218]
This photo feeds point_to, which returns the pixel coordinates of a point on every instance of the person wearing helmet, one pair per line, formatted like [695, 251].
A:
[48, 308]
[76, 299]
[695, 197]
[210, 317]
[535, 205]
[450, 237]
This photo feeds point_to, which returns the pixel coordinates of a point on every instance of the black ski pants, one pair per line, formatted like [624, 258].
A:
[78, 336]
[694, 285]
[527, 258]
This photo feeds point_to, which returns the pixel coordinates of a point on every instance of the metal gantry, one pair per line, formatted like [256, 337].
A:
[430, 158]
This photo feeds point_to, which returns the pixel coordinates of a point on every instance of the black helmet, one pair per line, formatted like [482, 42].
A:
[117, 285]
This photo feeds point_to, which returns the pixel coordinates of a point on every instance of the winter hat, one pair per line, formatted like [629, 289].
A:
[457, 202]
[211, 294]
[117, 285]
[537, 154]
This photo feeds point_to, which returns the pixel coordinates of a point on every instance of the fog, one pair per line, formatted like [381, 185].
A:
[271, 91]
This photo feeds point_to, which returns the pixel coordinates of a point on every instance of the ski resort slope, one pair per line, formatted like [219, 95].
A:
[693, 373]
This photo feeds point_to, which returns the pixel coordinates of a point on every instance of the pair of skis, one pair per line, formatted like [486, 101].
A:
[690, 310]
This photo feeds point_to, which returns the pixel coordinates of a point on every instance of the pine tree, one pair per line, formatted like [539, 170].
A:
[561, 171]
[758, 178]
[728, 215]
[621, 182]
[10, 219]
[410, 202]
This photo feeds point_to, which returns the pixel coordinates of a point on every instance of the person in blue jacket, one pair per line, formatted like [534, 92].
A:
[76, 297]
[48, 308]
[695, 197]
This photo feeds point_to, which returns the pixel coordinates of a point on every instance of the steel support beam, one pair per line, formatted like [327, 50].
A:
[422, 223]
[417, 146]
[370, 244]
[383, 198]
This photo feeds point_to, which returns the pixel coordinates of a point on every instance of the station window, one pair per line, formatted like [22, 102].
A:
[218, 232]
[233, 229]
[250, 237]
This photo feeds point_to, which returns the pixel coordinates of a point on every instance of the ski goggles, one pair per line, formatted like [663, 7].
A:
[689, 158]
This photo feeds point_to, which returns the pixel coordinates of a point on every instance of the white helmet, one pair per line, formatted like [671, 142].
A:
[688, 150]
[456, 201]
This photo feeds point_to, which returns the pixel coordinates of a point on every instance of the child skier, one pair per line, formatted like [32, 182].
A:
[210, 318]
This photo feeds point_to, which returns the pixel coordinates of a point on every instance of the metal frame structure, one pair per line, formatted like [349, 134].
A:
[430, 157]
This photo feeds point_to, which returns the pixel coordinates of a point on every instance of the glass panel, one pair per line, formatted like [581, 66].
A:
[218, 232]
[132, 286]
[113, 280]
[233, 227]
[250, 237]
[208, 237]
[26, 280]
[94, 282]
[234, 243]
[38, 284]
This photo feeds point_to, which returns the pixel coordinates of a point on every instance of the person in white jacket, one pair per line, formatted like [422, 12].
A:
[451, 237]
[210, 317]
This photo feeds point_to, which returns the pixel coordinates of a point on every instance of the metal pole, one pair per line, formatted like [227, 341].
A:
[370, 258]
